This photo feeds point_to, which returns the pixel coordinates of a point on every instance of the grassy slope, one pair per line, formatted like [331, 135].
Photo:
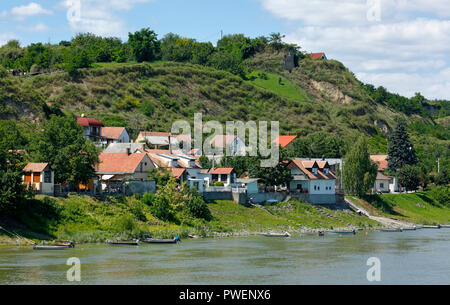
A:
[418, 207]
[84, 219]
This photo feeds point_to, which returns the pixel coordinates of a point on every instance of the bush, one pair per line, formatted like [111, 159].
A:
[219, 184]
[441, 194]
[161, 208]
[125, 223]
[443, 178]
[197, 207]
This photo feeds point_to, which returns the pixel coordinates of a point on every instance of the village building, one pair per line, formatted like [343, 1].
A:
[116, 169]
[383, 183]
[235, 144]
[40, 178]
[92, 129]
[314, 179]
[225, 175]
[315, 56]
[117, 148]
[114, 135]
[251, 185]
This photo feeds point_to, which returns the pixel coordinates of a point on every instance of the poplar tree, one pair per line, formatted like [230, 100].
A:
[401, 152]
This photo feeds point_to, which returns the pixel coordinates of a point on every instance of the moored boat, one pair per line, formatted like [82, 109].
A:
[445, 226]
[432, 227]
[344, 232]
[409, 228]
[286, 234]
[124, 243]
[56, 246]
[161, 241]
[392, 230]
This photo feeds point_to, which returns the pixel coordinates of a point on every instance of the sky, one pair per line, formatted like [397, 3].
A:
[403, 45]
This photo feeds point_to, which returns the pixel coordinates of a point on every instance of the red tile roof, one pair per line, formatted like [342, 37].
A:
[285, 140]
[86, 122]
[381, 161]
[154, 134]
[119, 163]
[35, 167]
[221, 171]
[177, 172]
[112, 132]
[316, 55]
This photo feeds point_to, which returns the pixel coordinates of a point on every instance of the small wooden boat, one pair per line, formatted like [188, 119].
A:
[286, 234]
[161, 241]
[56, 246]
[344, 232]
[321, 233]
[445, 226]
[432, 227]
[48, 247]
[392, 230]
[124, 243]
[409, 228]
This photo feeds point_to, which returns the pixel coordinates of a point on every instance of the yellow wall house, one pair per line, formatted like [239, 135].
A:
[40, 178]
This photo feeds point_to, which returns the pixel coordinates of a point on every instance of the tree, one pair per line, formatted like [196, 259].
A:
[144, 45]
[400, 149]
[359, 171]
[443, 178]
[409, 177]
[197, 207]
[160, 175]
[63, 145]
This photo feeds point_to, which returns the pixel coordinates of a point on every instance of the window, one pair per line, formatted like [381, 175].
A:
[47, 177]
[381, 185]
[314, 170]
[326, 171]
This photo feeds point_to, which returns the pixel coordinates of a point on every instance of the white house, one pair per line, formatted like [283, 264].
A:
[234, 143]
[383, 184]
[115, 135]
[92, 129]
[225, 175]
[313, 179]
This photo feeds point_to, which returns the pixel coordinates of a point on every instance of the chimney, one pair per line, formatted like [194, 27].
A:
[128, 151]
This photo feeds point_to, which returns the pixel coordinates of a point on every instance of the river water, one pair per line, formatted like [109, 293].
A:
[415, 257]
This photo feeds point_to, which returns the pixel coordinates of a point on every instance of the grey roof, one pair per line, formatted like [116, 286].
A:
[120, 148]
[299, 178]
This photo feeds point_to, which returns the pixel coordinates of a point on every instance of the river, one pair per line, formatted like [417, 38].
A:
[412, 257]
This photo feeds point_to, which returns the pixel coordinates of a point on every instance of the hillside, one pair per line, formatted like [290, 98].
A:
[317, 96]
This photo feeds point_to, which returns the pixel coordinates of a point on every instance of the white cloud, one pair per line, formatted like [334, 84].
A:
[32, 9]
[407, 51]
[99, 16]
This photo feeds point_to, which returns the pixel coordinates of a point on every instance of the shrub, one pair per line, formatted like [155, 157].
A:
[441, 194]
[197, 207]
[219, 184]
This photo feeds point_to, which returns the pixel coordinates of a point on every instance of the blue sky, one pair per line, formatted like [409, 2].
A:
[400, 44]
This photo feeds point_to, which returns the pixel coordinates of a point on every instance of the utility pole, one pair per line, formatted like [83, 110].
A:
[439, 165]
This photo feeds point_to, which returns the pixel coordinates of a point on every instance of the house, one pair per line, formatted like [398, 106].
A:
[225, 175]
[117, 148]
[115, 135]
[251, 185]
[336, 166]
[235, 144]
[383, 184]
[314, 179]
[285, 141]
[315, 56]
[92, 129]
[114, 170]
[40, 178]
[156, 140]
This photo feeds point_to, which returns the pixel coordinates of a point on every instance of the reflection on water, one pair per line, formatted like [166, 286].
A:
[416, 257]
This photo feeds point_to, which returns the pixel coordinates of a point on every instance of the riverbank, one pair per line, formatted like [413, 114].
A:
[84, 219]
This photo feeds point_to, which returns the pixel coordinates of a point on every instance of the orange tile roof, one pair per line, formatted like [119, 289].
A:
[35, 167]
[119, 163]
[112, 132]
[316, 55]
[221, 171]
[177, 172]
[285, 140]
[381, 161]
[305, 165]
[154, 134]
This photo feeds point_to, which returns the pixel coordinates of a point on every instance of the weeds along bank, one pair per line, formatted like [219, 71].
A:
[84, 219]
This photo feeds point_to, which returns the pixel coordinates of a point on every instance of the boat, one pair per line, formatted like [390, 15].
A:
[57, 246]
[321, 233]
[432, 227]
[409, 228]
[445, 226]
[344, 232]
[286, 234]
[161, 241]
[124, 243]
[392, 230]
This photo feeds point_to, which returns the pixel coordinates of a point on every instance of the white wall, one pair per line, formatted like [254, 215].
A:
[324, 187]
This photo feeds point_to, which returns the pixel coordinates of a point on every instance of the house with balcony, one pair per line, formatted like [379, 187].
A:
[313, 181]
[92, 129]
[40, 178]
[227, 176]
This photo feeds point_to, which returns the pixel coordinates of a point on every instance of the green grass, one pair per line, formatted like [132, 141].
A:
[271, 82]
[420, 207]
